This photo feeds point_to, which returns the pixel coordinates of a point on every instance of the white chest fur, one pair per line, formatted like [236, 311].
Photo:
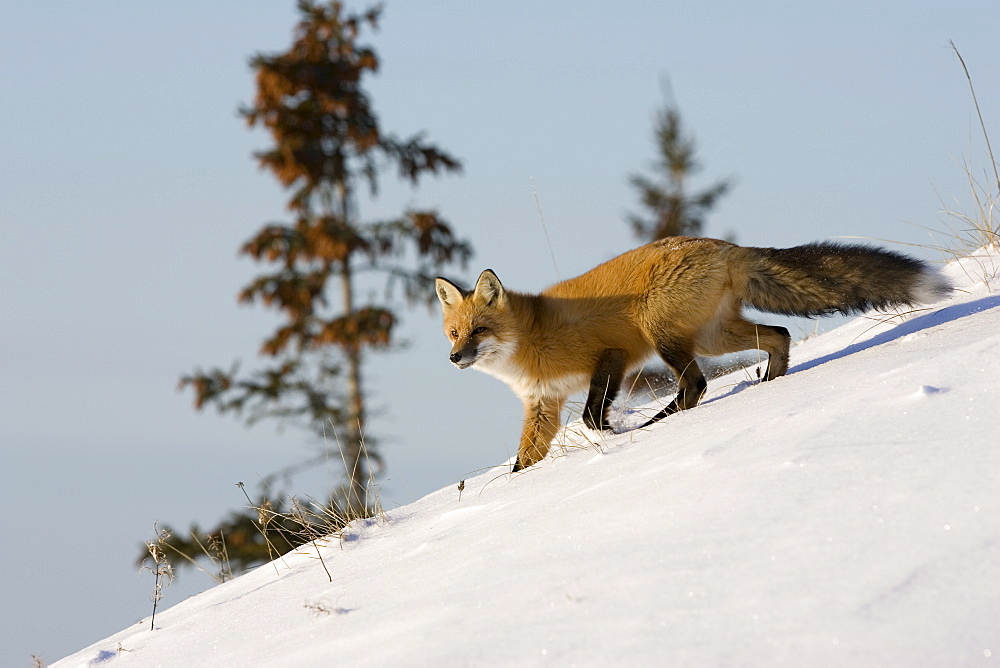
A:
[528, 387]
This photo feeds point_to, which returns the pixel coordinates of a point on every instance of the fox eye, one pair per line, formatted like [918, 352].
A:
[478, 330]
[453, 333]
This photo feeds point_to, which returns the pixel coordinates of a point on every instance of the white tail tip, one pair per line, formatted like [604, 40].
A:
[931, 286]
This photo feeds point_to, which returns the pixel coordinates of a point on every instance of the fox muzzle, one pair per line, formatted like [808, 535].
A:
[464, 358]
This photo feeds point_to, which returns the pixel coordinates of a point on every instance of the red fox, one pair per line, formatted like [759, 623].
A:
[678, 297]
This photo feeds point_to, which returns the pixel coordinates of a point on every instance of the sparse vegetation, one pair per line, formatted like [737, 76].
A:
[267, 528]
[163, 572]
[978, 226]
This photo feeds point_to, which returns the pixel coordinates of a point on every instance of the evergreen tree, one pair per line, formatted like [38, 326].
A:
[327, 144]
[671, 210]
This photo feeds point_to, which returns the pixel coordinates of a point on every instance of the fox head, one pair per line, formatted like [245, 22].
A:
[478, 323]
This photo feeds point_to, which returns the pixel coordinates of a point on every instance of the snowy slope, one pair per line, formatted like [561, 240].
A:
[846, 514]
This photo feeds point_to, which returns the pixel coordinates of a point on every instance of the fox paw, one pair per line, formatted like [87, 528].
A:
[596, 425]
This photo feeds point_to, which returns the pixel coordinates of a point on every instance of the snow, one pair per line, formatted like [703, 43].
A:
[845, 514]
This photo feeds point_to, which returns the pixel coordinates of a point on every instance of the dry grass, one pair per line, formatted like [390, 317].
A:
[316, 524]
[161, 569]
[977, 225]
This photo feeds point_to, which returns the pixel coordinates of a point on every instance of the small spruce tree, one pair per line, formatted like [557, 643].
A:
[671, 210]
[327, 144]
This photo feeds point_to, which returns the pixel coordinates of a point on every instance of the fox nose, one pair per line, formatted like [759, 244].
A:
[455, 357]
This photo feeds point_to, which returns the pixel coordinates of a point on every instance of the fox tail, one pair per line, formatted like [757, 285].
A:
[825, 278]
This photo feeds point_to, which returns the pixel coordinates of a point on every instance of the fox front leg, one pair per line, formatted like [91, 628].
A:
[604, 386]
[541, 422]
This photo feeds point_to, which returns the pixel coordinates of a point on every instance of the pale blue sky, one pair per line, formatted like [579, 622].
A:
[127, 185]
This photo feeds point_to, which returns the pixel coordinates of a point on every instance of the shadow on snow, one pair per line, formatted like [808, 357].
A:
[917, 324]
[911, 326]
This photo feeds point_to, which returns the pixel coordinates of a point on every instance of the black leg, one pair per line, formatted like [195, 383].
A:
[691, 384]
[681, 401]
[604, 386]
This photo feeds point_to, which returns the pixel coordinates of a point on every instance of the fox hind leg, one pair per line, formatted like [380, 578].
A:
[739, 334]
[604, 386]
[691, 383]
[779, 341]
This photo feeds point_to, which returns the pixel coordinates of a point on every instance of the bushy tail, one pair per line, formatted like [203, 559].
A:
[825, 278]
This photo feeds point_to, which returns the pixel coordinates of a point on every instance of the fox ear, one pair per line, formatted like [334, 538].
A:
[448, 293]
[489, 289]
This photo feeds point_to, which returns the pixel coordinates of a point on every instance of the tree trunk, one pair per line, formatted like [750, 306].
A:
[353, 447]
